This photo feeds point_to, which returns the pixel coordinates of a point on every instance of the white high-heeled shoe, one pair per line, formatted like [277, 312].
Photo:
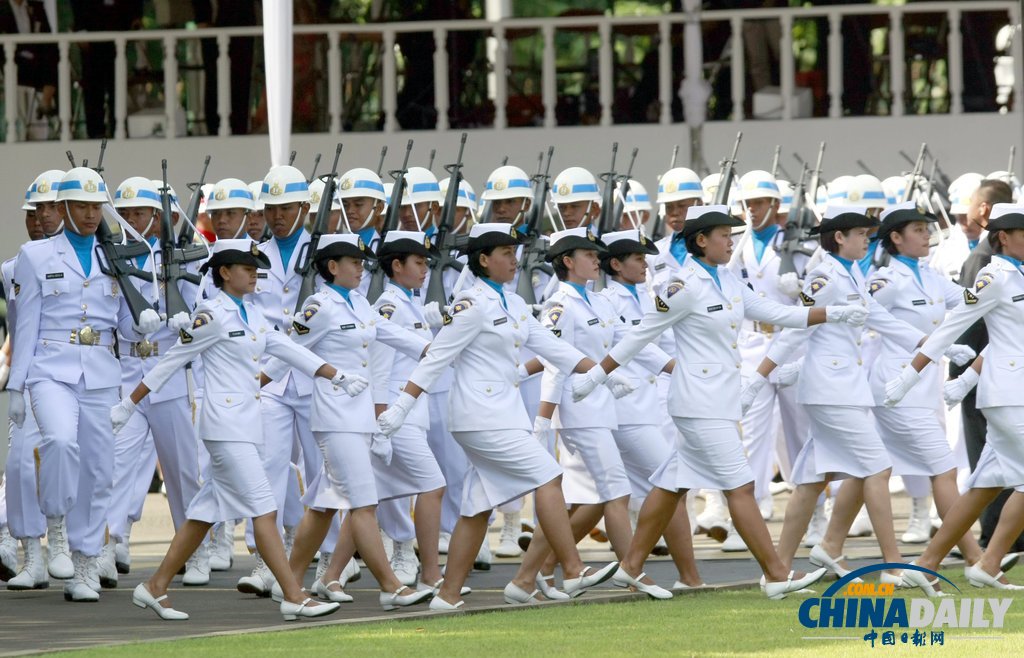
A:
[588, 578]
[143, 599]
[820, 558]
[437, 604]
[292, 611]
[779, 590]
[623, 579]
[516, 595]
[433, 589]
[550, 592]
[325, 592]
[978, 577]
[396, 600]
[680, 586]
[919, 579]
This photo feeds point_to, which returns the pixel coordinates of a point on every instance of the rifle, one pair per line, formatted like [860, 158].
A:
[800, 219]
[534, 247]
[316, 164]
[187, 233]
[775, 161]
[383, 154]
[608, 194]
[911, 186]
[174, 256]
[614, 219]
[391, 222]
[726, 174]
[430, 162]
[444, 260]
[304, 263]
[1013, 156]
[118, 260]
[291, 159]
[815, 180]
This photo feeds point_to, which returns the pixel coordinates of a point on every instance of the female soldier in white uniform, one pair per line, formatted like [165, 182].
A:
[595, 481]
[67, 312]
[704, 308]
[231, 335]
[338, 323]
[834, 389]
[998, 297]
[483, 335]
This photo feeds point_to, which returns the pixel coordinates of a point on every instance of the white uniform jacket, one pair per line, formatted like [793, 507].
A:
[483, 339]
[346, 336]
[663, 266]
[923, 305]
[641, 406]
[592, 328]
[998, 296]
[834, 370]
[705, 321]
[56, 301]
[232, 350]
[276, 295]
[399, 308]
[138, 358]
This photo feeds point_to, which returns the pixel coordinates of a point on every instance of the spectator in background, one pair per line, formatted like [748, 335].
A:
[37, 66]
[97, 79]
[761, 39]
[228, 13]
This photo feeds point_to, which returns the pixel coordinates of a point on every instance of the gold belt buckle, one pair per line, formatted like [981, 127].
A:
[766, 329]
[88, 336]
[144, 348]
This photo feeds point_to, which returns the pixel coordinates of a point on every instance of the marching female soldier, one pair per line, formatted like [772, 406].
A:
[231, 335]
[338, 323]
[835, 392]
[704, 308]
[483, 335]
[67, 312]
[998, 297]
[595, 481]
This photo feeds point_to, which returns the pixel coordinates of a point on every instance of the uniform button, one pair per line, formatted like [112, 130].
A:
[931, 302]
[254, 337]
[488, 389]
[903, 365]
[84, 318]
[858, 342]
[85, 306]
[738, 365]
[760, 275]
[256, 377]
[227, 400]
[704, 370]
[515, 325]
[85, 284]
[362, 326]
[522, 317]
[732, 326]
[606, 344]
[860, 362]
[364, 363]
[335, 388]
[257, 396]
[603, 324]
[517, 364]
[516, 344]
[834, 362]
[935, 321]
[365, 344]
[651, 379]
[286, 288]
[516, 384]
[255, 358]
[734, 345]
[1013, 363]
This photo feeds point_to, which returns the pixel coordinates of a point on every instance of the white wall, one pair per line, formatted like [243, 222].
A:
[962, 143]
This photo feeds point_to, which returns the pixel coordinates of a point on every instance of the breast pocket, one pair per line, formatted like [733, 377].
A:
[835, 362]
[1009, 363]
[226, 400]
[490, 388]
[703, 370]
[54, 287]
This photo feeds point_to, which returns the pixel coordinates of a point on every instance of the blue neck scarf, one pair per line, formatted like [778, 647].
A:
[431, 230]
[710, 269]
[866, 262]
[845, 262]
[408, 293]
[762, 239]
[972, 244]
[366, 234]
[287, 247]
[1016, 262]
[497, 287]
[677, 247]
[522, 229]
[582, 290]
[344, 292]
[241, 307]
[82, 244]
[631, 287]
[914, 265]
[141, 260]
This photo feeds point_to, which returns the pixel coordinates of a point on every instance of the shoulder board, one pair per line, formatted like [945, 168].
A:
[673, 288]
[300, 328]
[386, 310]
[877, 285]
[660, 304]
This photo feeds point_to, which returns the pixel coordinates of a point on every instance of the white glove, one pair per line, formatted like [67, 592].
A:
[750, 391]
[380, 447]
[541, 427]
[583, 385]
[149, 321]
[955, 390]
[960, 355]
[179, 321]
[16, 408]
[855, 316]
[433, 314]
[788, 374]
[392, 418]
[897, 389]
[351, 384]
[120, 413]
[789, 284]
[620, 385]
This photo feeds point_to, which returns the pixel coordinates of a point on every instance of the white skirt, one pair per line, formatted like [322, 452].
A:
[643, 450]
[708, 455]
[413, 468]
[1001, 463]
[594, 472]
[842, 441]
[503, 465]
[915, 440]
[237, 486]
[346, 479]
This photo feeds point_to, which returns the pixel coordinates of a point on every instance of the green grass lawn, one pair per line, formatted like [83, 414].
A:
[718, 624]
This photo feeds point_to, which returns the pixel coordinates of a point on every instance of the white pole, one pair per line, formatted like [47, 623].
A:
[277, 39]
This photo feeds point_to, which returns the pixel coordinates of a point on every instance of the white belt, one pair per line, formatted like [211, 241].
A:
[86, 336]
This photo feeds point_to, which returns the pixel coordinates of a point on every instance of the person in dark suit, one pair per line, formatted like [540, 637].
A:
[989, 193]
[37, 63]
[209, 13]
[98, 58]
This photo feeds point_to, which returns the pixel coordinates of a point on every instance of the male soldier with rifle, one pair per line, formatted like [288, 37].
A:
[391, 222]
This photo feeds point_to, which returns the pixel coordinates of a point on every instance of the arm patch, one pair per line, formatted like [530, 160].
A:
[553, 315]
[202, 318]
[877, 285]
[311, 309]
[660, 304]
[673, 288]
[386, 310]
[983, 281]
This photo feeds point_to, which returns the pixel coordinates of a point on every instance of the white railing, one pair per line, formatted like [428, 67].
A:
[604, 26]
